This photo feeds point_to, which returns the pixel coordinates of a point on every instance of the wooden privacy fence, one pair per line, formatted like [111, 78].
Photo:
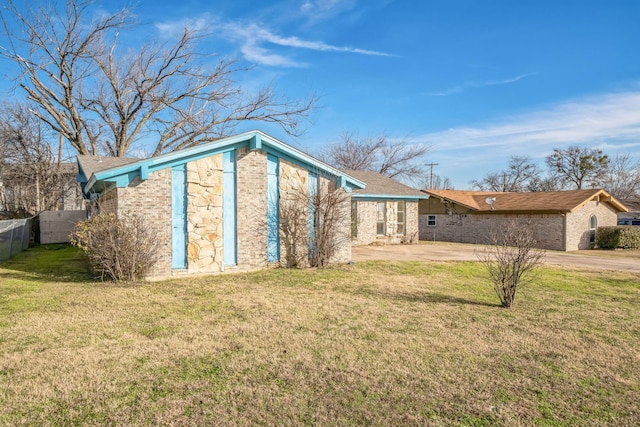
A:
[14, 237]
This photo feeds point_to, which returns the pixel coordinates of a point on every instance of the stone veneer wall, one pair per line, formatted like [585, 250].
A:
[367, 213]
[204, 215]
[251, 188]
[152, 200]
[578, 223]
[548, 229]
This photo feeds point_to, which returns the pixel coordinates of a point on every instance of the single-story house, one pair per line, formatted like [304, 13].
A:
[216, 206]
[385, 211]
[560, 220]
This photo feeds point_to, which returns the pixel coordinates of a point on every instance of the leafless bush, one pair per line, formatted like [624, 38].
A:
[510, 259]
[409, 238]
[119, 248]
[313, 224]
[330, 233]
[294, 228]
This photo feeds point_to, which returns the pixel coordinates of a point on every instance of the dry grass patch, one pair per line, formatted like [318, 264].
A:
[373, 343]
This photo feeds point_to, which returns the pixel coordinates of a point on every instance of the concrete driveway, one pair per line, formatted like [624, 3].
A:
[461, 252]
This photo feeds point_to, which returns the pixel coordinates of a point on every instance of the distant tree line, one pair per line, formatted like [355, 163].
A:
[567, 169]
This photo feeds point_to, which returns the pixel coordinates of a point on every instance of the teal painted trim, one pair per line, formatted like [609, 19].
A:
[386, 197]
[179, 217]
[259, 139]
[273, 208]
[311, 219]
[255, 143]
[81, 178]
[144, 172]
[229, 209]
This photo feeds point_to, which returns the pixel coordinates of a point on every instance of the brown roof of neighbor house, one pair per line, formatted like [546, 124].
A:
[549, 201]
[93, 164]
[380, 185]
[632, 205]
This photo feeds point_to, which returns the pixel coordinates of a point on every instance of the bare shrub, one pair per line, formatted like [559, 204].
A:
[331, 207]
[510, 259]
[313, 225]
[118, 247]
[294, 228]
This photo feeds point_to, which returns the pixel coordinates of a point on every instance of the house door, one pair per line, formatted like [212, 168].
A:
[178, 217]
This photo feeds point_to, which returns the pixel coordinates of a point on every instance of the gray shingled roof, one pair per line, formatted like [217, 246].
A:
[93, 164]
[380, 185]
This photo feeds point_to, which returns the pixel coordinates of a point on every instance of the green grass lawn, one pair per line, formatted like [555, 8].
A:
[393, 343]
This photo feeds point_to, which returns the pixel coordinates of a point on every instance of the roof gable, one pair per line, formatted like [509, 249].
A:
[128, 169]
[380, 186]
[544, 201]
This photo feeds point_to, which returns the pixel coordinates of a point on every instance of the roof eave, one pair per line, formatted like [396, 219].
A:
[253, 139]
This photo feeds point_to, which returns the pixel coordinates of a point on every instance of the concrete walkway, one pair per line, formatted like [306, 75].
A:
[462, 252]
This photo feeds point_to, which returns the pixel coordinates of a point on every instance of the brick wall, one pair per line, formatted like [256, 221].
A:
[152, 199]
[251, 182]
[548, 229]
[578, 223]
[204, 215]
[367, 214]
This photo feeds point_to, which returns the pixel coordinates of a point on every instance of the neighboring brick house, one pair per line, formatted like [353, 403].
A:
[386, 211]
[560, 220]
[215, 206]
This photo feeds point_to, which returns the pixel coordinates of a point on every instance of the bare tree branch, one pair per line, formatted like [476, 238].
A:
[396, 159]
[103, 100]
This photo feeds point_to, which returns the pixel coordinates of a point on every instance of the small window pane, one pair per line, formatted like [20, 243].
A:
[431, 220]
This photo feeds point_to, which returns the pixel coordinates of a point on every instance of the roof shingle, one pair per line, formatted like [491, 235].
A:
[560, 201]
[380, 185]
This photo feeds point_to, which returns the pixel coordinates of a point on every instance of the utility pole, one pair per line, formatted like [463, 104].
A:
[431, 165]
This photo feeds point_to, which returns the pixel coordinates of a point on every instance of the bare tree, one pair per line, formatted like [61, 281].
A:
[396, 159]
[622, 179]
[520, 172]
[578, 165]
[103, 100]
[437, 182]
[312, 224]
[510, 259]
[30, 171]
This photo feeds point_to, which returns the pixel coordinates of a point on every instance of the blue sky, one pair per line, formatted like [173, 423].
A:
[478, 80]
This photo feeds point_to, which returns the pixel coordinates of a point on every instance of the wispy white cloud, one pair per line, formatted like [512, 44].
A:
[257, 42]
[255, 39]
[610, 122]
[469, 85]
[176, 28]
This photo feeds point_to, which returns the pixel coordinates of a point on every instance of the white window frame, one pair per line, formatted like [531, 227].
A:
[382, 221]
[431, 220]
[402, 223]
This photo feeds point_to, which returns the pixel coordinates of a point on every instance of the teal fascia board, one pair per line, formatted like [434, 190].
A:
[255, 140]
[386, 197]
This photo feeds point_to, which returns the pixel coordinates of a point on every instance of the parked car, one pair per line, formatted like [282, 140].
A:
[628, 221]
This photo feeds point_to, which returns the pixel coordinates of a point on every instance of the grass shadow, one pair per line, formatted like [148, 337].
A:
[48, 263]
[432, 298]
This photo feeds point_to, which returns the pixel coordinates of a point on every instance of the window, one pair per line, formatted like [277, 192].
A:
[431, 220]
[400, 217]
[354, 219]
[381, 224]
[593, 225]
